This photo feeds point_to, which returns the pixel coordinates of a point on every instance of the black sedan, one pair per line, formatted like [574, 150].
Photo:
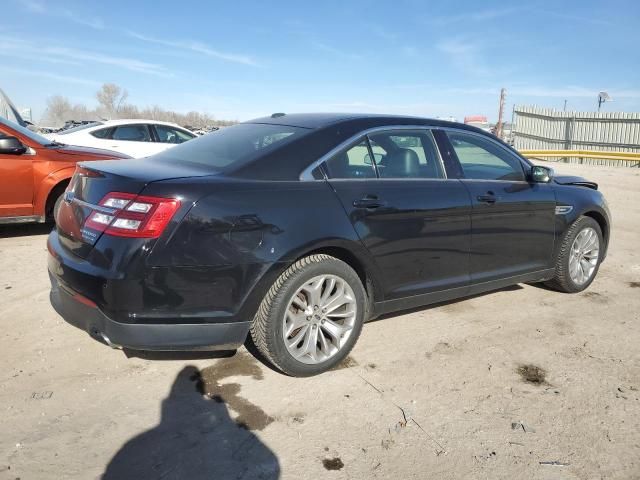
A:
[293, 230]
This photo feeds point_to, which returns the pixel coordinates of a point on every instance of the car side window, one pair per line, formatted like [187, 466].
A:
[102, 133]
[483, 159]
[406, 154]
[132, 133]
[168, 134]
[354, 162]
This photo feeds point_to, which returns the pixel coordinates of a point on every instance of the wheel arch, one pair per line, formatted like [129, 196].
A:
[55, 191]
[343, 250]
[54, 180]
[368, 279]
[602, 221]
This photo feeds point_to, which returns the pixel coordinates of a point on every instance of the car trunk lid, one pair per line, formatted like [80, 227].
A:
[93, 181]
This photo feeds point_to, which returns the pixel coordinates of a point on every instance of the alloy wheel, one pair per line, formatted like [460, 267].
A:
[584, 254]
[319, 319]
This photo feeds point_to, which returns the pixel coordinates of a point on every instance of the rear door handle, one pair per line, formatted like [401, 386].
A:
[488, 198]
[369, 202]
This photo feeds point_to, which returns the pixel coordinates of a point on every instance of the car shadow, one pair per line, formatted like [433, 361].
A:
[196, 439]
[178, 355]
[25, 229]
[422, 308]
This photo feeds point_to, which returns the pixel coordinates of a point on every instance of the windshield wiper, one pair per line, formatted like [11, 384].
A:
[55, 144]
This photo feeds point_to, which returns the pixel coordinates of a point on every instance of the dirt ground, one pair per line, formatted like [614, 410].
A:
[450, 391]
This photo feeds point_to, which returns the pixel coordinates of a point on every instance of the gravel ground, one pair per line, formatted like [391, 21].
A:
[518, 383]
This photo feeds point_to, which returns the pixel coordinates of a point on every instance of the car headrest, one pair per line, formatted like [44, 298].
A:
[403, 162]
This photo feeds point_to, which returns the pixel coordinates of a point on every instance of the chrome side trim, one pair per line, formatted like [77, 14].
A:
[563, 209]
[306, 175]
[99, 208]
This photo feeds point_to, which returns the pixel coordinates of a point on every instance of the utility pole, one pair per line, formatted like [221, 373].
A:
[565, 106]
[603, 97]
[503, 96]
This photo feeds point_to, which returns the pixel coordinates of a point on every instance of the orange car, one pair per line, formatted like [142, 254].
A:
[34, 172]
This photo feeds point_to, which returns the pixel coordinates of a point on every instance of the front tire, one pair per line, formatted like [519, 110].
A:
[311, 317]
[579, 256]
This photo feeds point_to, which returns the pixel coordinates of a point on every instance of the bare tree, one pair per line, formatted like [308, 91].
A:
[112, 97]
[112, 104]
[58, 110]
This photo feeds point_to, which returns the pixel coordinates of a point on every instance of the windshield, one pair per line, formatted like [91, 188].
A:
[26, 132]
[233, 145]
[80, 127]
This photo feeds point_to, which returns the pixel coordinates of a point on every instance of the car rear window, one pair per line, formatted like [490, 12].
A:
[233, 146]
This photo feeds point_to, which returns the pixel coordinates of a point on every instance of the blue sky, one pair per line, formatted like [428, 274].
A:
[241, 59]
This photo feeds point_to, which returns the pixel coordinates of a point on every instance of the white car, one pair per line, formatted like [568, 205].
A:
[136, 138]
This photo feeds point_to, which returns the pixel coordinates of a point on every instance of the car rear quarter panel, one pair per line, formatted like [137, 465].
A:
[240, 236]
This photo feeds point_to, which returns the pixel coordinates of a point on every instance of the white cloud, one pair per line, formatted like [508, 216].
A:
[95, 23]
[122, 62]
[33, 6]
[381, 32]
[52, 76]
[465, 55]
[18, 48]
[477, 16]
[336, 51]
[197, 47]
[569, 91]
[40, 8]
[574, 18]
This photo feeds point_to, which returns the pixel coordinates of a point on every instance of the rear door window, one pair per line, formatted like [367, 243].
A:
[406, 154]
[132, 133]
[355, 162]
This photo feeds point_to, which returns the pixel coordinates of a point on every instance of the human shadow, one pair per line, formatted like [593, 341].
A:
[25, 229]
[196, 439]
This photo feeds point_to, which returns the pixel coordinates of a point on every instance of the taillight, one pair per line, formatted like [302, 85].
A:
[130, 215]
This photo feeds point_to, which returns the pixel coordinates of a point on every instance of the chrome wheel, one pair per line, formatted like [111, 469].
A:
[584, 255]
[319, 319]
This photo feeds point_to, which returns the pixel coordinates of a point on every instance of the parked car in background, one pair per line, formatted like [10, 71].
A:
[136, 138]
[34, 171]
[296, 229]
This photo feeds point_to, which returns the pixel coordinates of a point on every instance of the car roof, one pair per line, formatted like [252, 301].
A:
[325, 132]
[321, 120]
[124, 121]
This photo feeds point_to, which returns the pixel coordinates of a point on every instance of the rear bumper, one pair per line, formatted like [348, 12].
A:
[209, 336]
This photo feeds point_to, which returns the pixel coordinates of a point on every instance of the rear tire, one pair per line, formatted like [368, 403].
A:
[311, 317]
[579, 256]
[55, 199]
[56, 207]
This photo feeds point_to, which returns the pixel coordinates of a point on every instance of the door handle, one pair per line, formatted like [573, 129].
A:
[369, 201]
[489, 197]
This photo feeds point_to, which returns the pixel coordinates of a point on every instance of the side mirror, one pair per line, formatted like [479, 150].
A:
[11, 146]
[541, 174]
